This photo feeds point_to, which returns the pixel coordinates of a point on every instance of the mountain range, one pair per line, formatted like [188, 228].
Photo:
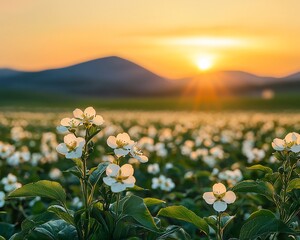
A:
[117, 77]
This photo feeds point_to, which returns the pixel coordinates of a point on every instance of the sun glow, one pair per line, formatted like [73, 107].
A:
[204, 63]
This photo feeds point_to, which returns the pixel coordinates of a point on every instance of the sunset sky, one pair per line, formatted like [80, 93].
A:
[170, 37]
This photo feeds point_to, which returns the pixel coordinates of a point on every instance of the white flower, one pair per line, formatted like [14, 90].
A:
[153, 168]
[76, 202]
[2, 199]
[219, 197]
[10, 183]
[55, 173]
[119, 178]
[72, 146]
[163, 183]
[121, 144]
[290, 142]
[88, 116]
[138, 154]
[70, 123]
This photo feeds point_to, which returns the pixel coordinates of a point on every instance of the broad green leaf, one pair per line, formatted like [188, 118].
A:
[184, 214]
[135, 207]
[31, 222]
[263, 222]
[152, 201]
[54, 230]
[6, 229]
[260, 187]
[97, 173]
[2, 238]
[294, 184]
[62, 213]
[43, 188]
[261, 168]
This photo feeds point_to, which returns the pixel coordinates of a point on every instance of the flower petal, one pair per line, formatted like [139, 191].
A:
[219, 188]
[295, 148]
[123, 136]
[209, 197]
[130, 180]
[127, 170]
[118, 187]
[89, 112]
[121, 152]
[278, 144]
[109, 181]
[65, 122]
[98, 120]
[229, 197]
[62, 148]
[77, 113]
[68, 139]
[220, 206]
[111, 142]
[112, 170]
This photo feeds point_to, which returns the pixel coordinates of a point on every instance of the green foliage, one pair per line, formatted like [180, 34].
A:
[54, 230]
[260, 187]
[263, 223]
[153, 201]
[6, 229]
[134, 207]
[184, 214]
[62, 213]
[261, 168]
[43, 188]
[293, 184]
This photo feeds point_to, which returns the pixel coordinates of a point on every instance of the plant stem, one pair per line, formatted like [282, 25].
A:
[219, 228]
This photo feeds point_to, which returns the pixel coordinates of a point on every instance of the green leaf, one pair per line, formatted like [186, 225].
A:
[262, 222]
[54, 230]
[43, 188]
[137, 189]
[135, 207]
[97, 173]
[2, 238]
[261, 168]
[153, 201]
[184, 214]
[260, 187]
[294, 184]
[225, 220]
[75, 171]
[62, 213]
[6, 229]
[31, 222]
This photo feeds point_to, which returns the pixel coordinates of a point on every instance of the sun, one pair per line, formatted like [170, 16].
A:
[204, 63]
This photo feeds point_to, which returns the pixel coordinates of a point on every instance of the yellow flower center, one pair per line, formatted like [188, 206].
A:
[121, 143]
[71, 146]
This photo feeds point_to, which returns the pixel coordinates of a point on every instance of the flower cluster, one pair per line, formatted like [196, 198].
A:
[72, 147]
[120, 178]
[291, 142]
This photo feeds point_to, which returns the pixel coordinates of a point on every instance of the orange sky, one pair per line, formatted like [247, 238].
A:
[165, 36]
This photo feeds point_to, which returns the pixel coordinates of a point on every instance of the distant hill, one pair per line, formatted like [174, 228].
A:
[118, 77]
[6, 72]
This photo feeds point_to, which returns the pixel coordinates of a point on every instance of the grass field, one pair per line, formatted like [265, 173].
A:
[38, 101]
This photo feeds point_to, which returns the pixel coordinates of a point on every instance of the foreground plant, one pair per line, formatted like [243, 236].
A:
[282, 188]
[110, 209]
[219, 198]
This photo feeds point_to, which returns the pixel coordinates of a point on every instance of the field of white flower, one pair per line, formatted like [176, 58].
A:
[149, 175]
